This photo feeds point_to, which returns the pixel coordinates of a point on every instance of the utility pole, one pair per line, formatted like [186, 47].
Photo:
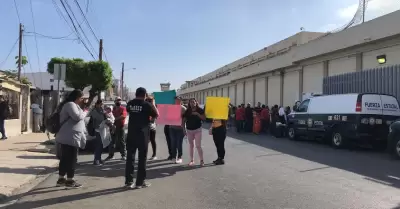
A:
[100, 58]
[122, 80]
[101, 50]
[21, 30]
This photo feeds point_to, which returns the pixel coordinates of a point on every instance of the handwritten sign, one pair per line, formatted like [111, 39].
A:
[217, 107]
[169, 114]
[165, 97]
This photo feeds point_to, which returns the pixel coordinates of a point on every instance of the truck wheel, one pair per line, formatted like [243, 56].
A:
[338, 141]
[394, 147]
[292, 133]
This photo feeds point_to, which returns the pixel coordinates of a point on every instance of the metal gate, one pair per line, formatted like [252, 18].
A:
[24, 107]
[384, 80]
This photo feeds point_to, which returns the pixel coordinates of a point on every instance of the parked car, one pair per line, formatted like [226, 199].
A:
[345, 118]
[394, 140]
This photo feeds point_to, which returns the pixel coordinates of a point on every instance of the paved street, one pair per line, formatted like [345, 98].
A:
[260, 172]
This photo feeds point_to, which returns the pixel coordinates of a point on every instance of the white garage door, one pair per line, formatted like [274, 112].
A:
[342, 66]
[225, 92]
[232, 95]
[290, 88]
[249, 91]
[312, 78]
[219, 92]
[239, 93]
[274, 90]
[198, 96]
[260, 90]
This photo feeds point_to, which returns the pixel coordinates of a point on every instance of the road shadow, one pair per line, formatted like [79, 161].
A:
[28, 170]
[64, 199]
[374, 166]
[26, 143]
[116, 168]
[155, 169]
[37, 157]
[397, 207]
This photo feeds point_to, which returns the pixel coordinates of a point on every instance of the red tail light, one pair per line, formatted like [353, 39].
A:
[358, 107]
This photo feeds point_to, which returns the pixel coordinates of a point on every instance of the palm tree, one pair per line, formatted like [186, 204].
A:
[24, 61]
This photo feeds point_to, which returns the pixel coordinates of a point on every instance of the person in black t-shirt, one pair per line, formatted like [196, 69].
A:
[140, 114]
[194, 117]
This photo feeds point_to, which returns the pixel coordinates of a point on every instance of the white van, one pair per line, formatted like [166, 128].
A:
[345, 117]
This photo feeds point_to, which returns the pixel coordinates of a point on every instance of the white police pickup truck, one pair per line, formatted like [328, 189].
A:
[345, 118]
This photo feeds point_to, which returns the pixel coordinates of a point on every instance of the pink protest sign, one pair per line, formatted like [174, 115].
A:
[169, 114]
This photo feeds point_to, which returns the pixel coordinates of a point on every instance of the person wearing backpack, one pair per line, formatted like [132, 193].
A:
[71, 136]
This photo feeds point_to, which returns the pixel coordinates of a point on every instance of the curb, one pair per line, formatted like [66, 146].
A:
[17, 193]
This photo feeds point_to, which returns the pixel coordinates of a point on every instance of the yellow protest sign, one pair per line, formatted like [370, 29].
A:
[217, 107]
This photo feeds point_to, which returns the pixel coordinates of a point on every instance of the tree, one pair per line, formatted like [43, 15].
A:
[77, 73]
[100, 77]
[81, 74]
[24, 61]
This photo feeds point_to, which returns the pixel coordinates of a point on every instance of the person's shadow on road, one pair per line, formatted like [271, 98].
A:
[113, 169]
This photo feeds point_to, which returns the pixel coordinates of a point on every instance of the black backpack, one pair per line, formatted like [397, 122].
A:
[53, 124]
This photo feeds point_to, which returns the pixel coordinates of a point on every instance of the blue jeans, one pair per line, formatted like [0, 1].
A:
[176, 135]
[98, 150]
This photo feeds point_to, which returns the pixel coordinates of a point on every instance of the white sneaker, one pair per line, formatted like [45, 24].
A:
[178, 161]
[153, 158]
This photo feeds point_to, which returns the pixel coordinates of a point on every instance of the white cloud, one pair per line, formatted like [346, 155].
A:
[347, 12]
[375, 8]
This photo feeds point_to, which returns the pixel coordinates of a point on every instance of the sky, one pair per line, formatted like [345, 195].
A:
[170, 40]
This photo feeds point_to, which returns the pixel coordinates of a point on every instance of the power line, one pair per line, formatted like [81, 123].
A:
[9, 53]
[53, 37]
[86, 20]
[30, 64]
[87, 5]
[62, 15]
[36, 43]
[16, 9]
[76, 20]
[76, 30]
[88, 24]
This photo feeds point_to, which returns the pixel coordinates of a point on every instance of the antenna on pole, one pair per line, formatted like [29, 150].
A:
[363, 12]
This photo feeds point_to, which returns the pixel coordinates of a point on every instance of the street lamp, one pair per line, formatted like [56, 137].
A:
[122, 78]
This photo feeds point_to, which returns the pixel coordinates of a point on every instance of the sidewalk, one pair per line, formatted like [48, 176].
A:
[20, 163]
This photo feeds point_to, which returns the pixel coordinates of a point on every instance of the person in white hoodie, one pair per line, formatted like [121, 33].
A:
[71, 137]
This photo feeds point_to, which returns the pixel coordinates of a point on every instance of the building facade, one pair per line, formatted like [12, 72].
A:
[283, 72]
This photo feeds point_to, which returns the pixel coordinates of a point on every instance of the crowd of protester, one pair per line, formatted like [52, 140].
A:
[71, 132]
[260, 119]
